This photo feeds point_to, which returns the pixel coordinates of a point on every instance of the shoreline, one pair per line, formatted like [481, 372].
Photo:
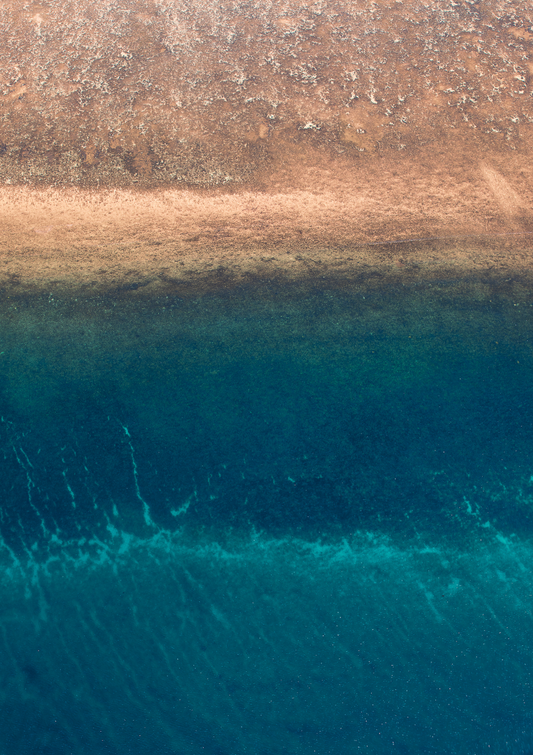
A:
[488, 259]
[168, 141]
[403, 216]
[481, 267]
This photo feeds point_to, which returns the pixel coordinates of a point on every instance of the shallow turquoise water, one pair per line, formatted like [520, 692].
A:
[270, 519]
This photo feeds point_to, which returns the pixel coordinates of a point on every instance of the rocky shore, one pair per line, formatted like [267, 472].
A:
[165, 138]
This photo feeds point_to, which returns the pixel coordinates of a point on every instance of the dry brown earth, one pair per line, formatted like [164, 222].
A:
[148, 140]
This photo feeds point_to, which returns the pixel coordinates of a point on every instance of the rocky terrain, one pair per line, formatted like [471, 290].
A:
[246, 124]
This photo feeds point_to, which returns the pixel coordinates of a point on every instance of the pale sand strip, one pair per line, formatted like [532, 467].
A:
[103, 238]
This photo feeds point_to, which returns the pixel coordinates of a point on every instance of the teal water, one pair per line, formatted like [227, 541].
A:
[268, 519]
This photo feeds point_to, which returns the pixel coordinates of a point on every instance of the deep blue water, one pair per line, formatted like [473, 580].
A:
[271, 519]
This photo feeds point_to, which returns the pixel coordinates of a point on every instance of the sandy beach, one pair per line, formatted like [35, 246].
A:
[393, 213]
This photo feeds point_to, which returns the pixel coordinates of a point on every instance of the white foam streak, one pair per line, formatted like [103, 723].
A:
[146, 509]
